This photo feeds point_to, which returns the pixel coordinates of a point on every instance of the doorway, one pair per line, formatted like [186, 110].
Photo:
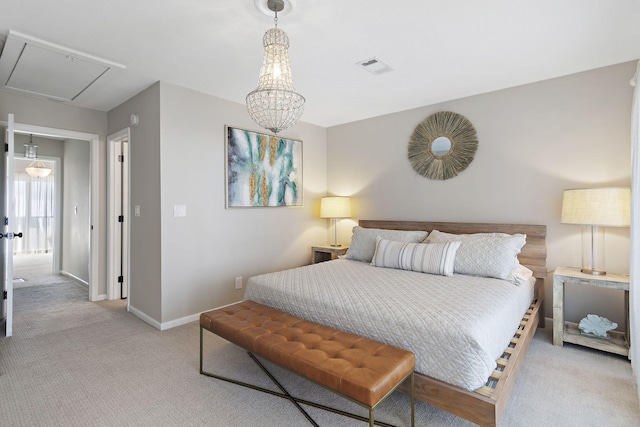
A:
[91, 206]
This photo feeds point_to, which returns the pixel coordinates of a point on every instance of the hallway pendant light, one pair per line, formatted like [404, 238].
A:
[30, 149]
[275, 105]
[36, 168]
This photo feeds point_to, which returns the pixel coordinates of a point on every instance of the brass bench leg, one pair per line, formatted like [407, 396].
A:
[283, 390]
[413, 399]
[201, 328]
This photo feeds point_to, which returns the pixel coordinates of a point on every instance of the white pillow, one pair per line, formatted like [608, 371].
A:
[483, 254]
[434, 258]
[520, 275]
[363, 242]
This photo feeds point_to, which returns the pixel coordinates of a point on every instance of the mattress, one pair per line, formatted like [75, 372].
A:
[457, 327]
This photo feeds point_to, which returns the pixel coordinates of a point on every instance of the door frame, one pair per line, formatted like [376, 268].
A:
[94, 192]
[123, 135]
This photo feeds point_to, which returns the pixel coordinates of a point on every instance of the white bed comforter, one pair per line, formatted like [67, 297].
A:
[457, 327]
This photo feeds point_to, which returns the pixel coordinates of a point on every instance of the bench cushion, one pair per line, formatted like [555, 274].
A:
[356, 367]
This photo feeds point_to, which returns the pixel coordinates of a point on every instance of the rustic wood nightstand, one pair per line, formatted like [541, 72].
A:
[326, 253]
[618, 342]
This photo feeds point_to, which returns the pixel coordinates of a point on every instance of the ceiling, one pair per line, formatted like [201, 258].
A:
[438, 50]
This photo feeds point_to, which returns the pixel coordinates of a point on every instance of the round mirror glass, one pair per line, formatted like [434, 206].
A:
[441, 146]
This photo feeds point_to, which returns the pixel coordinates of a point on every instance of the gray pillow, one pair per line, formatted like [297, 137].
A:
[363, 242]
[483, 254]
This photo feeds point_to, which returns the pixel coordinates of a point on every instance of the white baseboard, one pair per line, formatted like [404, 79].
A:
[83, 282]
[187, 319]
[172, 323]
[179, 322]
[74, 277]
[139, 314]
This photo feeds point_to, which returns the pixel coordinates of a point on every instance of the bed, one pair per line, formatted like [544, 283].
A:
[482, 325]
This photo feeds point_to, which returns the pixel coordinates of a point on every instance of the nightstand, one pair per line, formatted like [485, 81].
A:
[618, 342]
[326, 253]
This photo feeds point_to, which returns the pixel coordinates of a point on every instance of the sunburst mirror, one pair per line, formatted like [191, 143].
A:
[442, 145]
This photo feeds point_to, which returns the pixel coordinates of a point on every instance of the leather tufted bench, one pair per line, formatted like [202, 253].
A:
[358, 368]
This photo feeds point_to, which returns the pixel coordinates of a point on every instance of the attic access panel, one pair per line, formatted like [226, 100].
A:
[41, 68]
[53, 74]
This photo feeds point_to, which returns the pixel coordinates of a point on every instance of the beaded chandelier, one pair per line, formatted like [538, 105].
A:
[275, 105]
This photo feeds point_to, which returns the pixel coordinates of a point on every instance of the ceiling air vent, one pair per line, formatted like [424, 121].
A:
[374, 66]
[37, 67]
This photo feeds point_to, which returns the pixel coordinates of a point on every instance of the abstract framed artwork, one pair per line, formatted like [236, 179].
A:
[262, 170]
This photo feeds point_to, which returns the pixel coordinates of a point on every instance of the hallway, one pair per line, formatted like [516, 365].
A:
[33, 270]
[44, 302]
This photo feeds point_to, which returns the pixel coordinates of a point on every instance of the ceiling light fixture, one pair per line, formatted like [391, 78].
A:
[30, 150]
[36, 168]
[275, 105]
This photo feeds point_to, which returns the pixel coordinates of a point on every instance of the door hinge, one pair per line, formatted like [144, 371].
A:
[6, 220]
[120, 279]
[121, 158]
[121, 218]
[6, 148]
[5, 295]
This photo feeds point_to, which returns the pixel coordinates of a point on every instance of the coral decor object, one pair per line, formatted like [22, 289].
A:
[596, 326]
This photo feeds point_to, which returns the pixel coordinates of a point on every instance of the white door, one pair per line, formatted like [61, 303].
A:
[6, 242]
[118, 220]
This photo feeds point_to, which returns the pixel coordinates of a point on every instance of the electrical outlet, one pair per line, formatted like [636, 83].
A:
[239, 282]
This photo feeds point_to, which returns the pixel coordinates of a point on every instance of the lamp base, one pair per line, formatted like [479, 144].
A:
[593, 250]
[593, 271]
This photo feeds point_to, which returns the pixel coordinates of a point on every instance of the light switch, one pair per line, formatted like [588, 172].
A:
[136, 210]
[179, 210]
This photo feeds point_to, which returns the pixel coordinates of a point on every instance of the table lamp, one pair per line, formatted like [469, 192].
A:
[334, 208]
[595, 208]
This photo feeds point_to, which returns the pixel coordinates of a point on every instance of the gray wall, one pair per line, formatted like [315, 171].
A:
[534, 141]
[145, 231]
[177, 158]
[76, 209]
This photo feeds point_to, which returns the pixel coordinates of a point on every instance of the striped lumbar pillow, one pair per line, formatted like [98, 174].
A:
[432, 258]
